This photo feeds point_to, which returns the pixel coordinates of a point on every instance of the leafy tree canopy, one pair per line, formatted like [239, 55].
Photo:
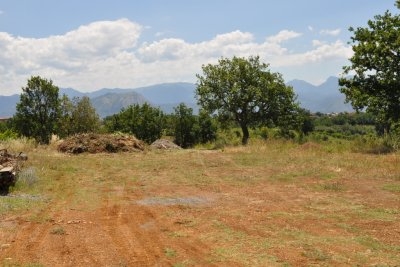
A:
[247, 92]
[144, 121]
[374, 83]
[38, 109]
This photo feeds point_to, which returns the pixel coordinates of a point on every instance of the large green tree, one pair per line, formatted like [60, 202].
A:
[246, 91]
[38, 109]
[372, 81]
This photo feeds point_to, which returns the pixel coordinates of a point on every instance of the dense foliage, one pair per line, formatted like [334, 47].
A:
[143, 121]
[38, 110]
[247, 92]
[77, 116]
[375, 85]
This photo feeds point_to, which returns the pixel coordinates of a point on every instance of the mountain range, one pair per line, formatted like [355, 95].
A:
[324, 98]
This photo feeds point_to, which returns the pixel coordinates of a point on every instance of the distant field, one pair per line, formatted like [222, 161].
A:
[271, 203]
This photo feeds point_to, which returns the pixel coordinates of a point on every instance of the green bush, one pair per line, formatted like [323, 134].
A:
[8, 134]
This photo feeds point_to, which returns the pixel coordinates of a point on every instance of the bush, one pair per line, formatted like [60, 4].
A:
[143, 121]
[8, 134]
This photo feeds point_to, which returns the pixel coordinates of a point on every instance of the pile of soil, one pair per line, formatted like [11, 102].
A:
[164, 144]
[99, 143]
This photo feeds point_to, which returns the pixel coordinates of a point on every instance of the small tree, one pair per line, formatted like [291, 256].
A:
[64, 123]
[84, 117]
[375, 81]
[186, 126]
[144, 121]
[77, 116]
[207, 127]
[245, 91]
[38, 110]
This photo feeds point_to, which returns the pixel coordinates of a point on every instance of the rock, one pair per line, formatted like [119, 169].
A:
[164, 144]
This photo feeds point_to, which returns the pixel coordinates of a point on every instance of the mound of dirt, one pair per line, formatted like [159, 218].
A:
[164, 144]
[99, 143]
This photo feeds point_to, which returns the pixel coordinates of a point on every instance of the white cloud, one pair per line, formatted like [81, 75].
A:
[317, 43]
[310, 28]
[283, 36]
[108, 54]
[335, 32]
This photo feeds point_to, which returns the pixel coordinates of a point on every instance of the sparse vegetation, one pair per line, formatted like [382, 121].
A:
[272, 202]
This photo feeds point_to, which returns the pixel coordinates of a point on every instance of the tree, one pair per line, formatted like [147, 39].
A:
[64, 123]
[144, 121]
[186, 126]
[375, 85]
[207, 127]
[246, 91]
[77, 116]
[38, 109]
[84, 118]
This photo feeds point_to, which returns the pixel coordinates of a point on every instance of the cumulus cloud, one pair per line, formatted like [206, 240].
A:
[283, 36]
[109, 54]
[334, 32]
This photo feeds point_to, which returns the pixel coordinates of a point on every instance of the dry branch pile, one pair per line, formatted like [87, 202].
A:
[9, 167]
[98, 143]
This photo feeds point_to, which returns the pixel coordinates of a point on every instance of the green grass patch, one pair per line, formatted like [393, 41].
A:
[395, 188]
[170, 253]
[58, 231]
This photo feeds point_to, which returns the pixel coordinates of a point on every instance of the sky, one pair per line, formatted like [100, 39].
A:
[92, 44]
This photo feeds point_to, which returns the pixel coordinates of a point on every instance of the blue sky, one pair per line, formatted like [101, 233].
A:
[94, 44]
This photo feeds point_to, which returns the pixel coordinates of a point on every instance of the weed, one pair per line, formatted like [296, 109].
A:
[316, 254]
[335, 186]
[169, 252]
[26, 177]
[58, 231]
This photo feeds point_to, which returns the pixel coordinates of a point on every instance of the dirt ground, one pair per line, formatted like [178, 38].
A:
[247, 220]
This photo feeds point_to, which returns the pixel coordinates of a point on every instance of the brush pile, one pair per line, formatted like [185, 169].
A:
[10, 165]
[100, 143]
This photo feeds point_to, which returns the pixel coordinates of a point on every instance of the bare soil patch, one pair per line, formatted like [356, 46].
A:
[263, 205]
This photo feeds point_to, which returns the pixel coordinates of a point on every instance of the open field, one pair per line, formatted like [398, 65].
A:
[268, 204]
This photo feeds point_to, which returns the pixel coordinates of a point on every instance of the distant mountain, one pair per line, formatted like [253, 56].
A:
[71, 93]
[325, 98]
[7, 105]
[169, 93]
[112, 103]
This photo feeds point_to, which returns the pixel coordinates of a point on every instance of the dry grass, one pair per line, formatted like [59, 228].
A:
[270, 204]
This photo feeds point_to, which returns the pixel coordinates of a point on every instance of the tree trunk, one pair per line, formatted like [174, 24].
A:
[246, 135]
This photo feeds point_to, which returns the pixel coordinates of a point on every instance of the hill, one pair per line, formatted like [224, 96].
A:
[112, 103]
[7, 105]
[324, 98]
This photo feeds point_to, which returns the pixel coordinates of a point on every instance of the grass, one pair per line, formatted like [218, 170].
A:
[170, 253]
[395, 188]
[272, 203]
[58, 231]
